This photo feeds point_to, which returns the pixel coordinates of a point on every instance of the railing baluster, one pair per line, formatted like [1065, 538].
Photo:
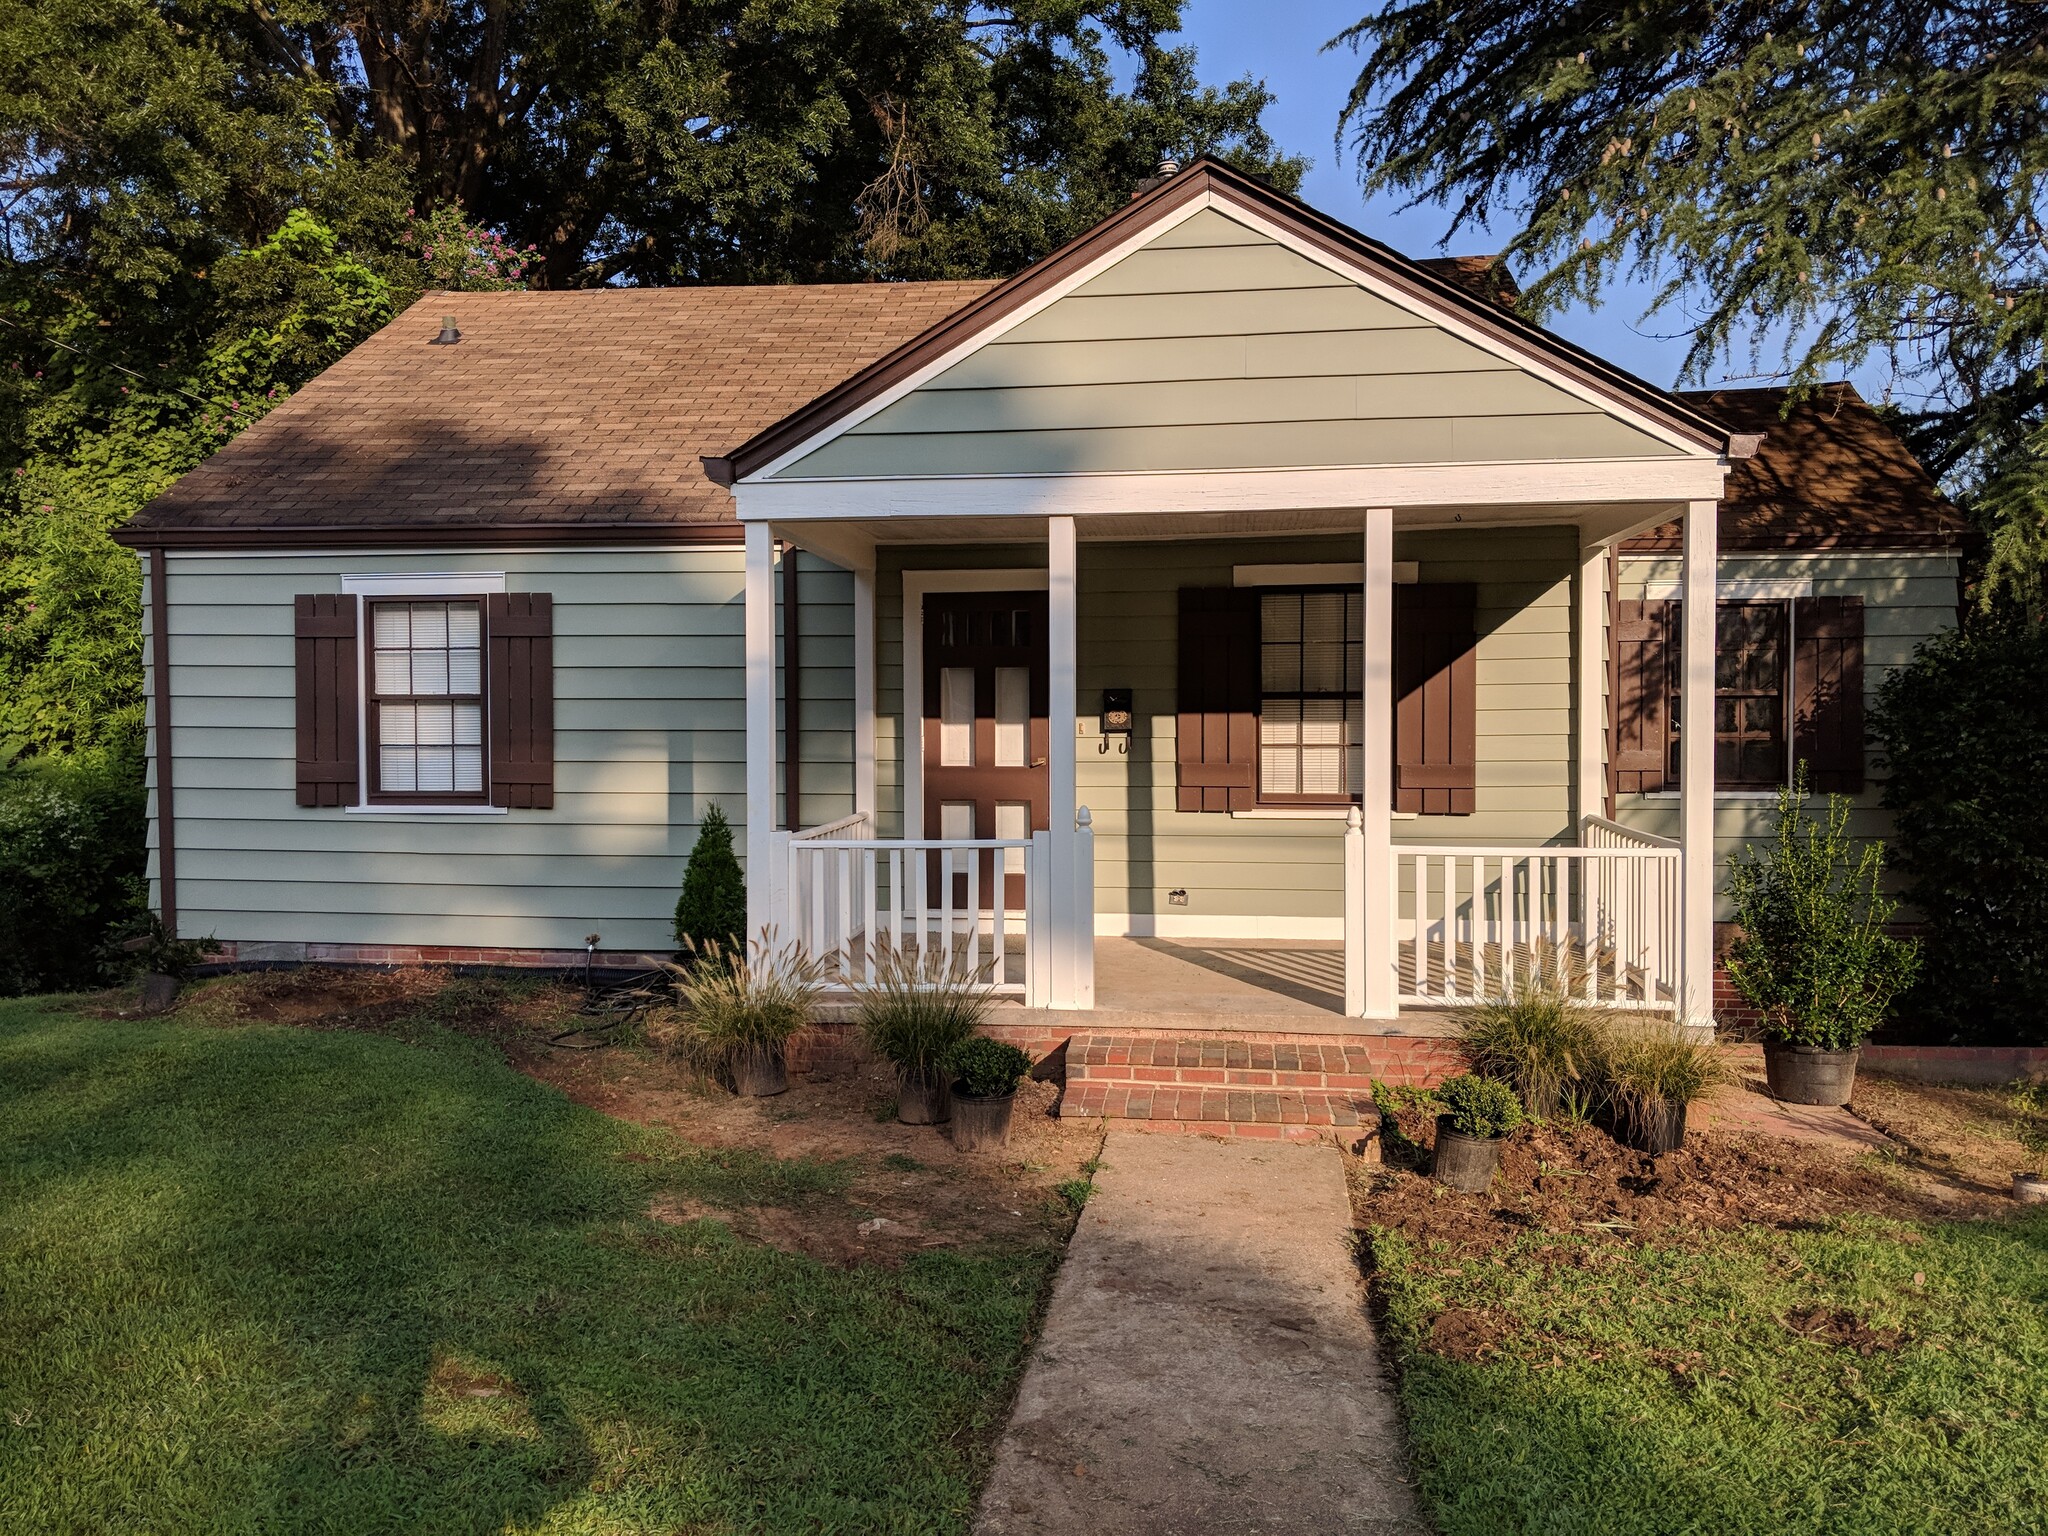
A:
[868, 863]
[973, 917]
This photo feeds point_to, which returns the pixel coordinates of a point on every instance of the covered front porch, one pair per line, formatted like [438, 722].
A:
[1117, 899]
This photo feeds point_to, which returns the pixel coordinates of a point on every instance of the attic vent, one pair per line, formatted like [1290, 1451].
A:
[449, 334]
[1168, 166]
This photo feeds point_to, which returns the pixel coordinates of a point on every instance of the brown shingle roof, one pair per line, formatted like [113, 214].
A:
[554, 410]
[1830, 475]
[1481, 275]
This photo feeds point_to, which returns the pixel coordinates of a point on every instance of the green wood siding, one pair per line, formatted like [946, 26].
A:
[650, 728]
[1213, 347]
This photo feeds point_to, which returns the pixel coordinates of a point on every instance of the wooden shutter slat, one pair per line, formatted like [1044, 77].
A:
[1827, 690]
[521, 630]
[1643, 651]
[1435, 699]
[325, 661]
[1217, 733]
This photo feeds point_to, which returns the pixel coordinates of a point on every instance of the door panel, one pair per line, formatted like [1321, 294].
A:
[985, 729]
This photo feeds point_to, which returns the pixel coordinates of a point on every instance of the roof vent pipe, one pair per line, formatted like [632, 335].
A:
[449, 334]
[1168, 166]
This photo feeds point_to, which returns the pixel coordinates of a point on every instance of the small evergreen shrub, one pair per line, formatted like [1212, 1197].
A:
[919, 1011]
[1480, 1106]
[1963, 733]
[1813, 957]
[988, 1069]
[712, 909]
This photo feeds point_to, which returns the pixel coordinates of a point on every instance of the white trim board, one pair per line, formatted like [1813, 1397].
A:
[1735, 589]
[427, 584]
[1510, 483]
[916, 584]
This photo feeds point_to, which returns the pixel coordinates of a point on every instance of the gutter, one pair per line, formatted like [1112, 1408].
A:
[160, 680]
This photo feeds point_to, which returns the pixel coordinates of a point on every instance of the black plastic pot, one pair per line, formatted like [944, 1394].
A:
[1805, 1074]
[922, 1101]
[1656, 1128]
[759, 1071]
[158, 991]
[980, 1122]
[1465, 1162]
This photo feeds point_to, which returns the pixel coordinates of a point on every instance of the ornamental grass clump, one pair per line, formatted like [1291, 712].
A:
[1535, 1037]
[733, 1005]
[1653, 1074]
[918, 1011]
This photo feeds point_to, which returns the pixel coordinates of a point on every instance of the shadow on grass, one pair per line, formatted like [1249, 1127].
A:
[264, 1278]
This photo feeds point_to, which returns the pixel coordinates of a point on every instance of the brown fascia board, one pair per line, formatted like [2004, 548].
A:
[1319, 229]
[413, 535]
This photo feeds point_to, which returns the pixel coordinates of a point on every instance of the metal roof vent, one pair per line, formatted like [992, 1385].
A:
[1168, 166]
[449, 334]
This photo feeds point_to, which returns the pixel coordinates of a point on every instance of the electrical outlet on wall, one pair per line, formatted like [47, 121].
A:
[1177, 898]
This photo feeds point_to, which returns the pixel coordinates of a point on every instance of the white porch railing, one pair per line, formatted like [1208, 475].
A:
[850, 898]
[1601, 919]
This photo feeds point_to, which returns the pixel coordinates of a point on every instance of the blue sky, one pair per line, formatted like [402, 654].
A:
[1280, 41]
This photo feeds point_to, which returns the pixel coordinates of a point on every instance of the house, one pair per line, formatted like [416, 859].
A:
[1223, 578]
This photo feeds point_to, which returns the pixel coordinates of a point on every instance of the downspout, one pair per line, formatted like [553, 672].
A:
[792, 693]
[160, 680]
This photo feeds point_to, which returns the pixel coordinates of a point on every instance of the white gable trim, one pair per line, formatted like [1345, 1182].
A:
[1363, 276]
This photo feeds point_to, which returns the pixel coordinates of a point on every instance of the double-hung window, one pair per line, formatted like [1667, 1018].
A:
[1752, 681]
[1311, 706]
[426, 703]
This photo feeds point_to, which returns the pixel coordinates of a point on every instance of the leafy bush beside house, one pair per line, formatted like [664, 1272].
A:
[1963, 732]
[71, 865]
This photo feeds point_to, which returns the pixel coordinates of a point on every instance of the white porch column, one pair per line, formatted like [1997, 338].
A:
[1072, 951]
[760, 630]
[1590, 747]
[1696, 764]
[864, 694]
[1376, 813]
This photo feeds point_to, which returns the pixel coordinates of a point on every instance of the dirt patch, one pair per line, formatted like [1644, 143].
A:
[910, 1189]
[385, 1001]
[1471, 1333]
[1580, 1180]
[1960, 1140]
[1843, 1330]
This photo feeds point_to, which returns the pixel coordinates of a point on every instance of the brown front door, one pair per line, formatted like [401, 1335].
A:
[985, 725]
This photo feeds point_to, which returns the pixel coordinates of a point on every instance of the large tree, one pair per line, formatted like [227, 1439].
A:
[1855, 182]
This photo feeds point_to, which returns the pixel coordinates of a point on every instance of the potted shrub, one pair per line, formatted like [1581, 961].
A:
[1477, 1114]
[2030, 1186]
[1535, 1037]
[1653, 1075]
[739, 1011]
[984, 1091]
[1812, 955]
[915, 1014]
[166, 962]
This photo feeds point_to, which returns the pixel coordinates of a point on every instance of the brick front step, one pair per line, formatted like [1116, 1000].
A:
[1272, 1088]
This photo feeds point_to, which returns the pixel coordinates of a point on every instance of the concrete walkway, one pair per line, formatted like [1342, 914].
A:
[1206, 1365]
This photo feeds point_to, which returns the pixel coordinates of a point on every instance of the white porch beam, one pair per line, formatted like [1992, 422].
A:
[1376, 935]
[864, 691]
[1590, 747]
[1062, 560]
[760, 653]
[1696, 764]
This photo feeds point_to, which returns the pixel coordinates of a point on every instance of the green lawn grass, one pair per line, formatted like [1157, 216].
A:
[1872, 1377]
[265, 1279]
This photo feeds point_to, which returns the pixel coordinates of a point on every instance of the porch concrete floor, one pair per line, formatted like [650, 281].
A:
[1207, 1364]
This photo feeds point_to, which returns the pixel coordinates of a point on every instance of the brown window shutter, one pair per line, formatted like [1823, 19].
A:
[1827, 691]
[1435, 699]
[324, 647]
[1217, 735]
[1643, 653]
[521, 627]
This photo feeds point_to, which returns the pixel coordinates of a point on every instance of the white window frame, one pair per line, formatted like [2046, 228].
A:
[423, 585]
